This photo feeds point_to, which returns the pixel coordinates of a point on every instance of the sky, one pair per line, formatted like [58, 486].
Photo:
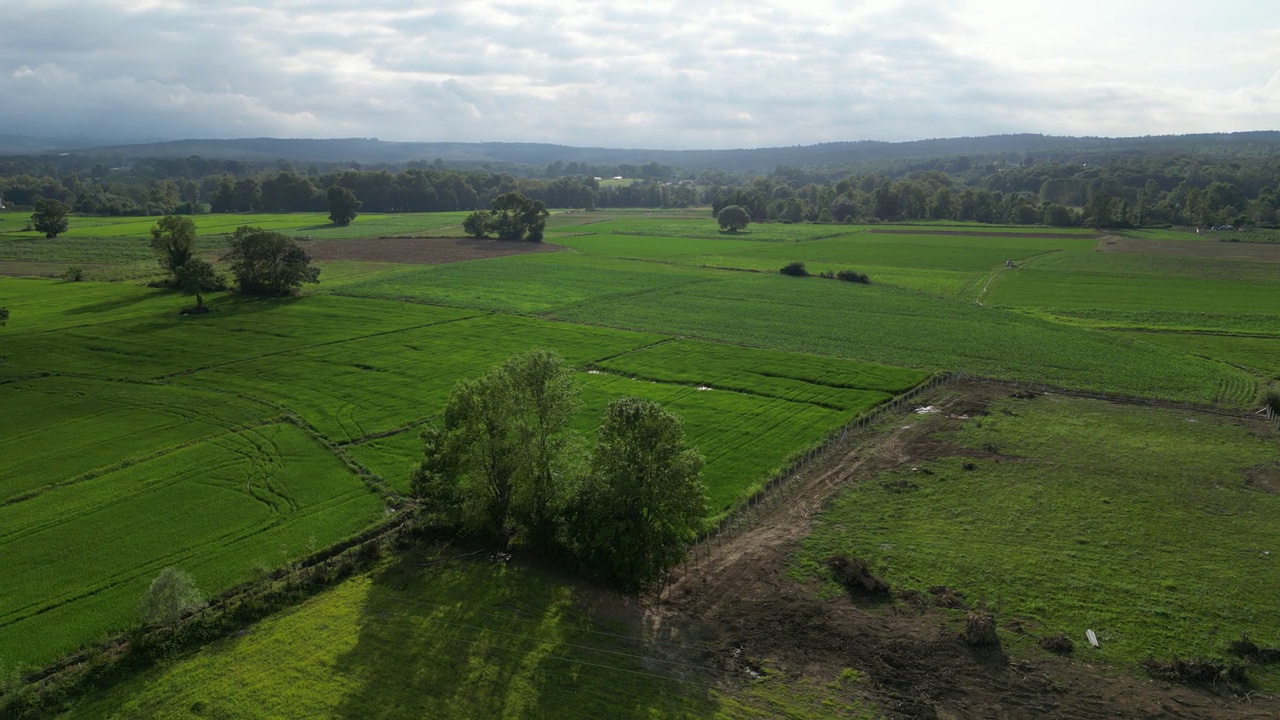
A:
[636, 73]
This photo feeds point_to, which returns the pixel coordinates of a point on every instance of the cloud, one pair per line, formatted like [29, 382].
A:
[697, 73]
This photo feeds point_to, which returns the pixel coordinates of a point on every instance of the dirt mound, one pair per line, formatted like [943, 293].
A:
[980, 630]
[1199, 671]
[1060, 644]
[855, 576]
[422, 251]
[1249, 650]
[1263, 478]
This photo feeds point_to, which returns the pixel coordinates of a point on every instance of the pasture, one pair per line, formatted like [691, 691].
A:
[1155, 528]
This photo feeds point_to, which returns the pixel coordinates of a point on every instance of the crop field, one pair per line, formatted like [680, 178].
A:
[489, 641]
[1155, 528]
[78, 557]
[211, 436]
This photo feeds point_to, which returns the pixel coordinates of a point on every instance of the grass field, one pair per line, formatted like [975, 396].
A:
[1153, 527]
[490, 641]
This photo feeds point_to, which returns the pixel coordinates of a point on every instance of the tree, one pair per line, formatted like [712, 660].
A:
[196, 277]
[733, 218]
[516, 217]
[502, 466]
[173, 238]
[478, 223]
[342, 205]
[172, 594]
[50, 217]
[268, 263]
[643, 500]
[4, 316]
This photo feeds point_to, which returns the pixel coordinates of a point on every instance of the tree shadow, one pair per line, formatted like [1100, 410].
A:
[443, 636]
[119, 303]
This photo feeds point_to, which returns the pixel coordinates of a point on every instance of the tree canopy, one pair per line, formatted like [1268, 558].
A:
[173, 238]
[342, 205]
[516, 217]
[171, 595]
[268, 263]
[733, 218]
[196, 277]
[643, 500]
[50, 217]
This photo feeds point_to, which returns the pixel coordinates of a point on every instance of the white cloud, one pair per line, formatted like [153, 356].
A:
[696, 73]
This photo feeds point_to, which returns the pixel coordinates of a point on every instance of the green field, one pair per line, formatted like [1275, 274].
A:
[241, 440]
[1139, 523]
[489, 641]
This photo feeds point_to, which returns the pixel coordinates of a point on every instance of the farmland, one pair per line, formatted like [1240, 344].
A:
[248, 438]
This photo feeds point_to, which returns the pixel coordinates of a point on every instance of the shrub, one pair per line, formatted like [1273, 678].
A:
[75, 273]
[795, 269]
[853, 276]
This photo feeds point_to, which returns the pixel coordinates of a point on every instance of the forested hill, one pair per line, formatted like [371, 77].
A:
[372, 151]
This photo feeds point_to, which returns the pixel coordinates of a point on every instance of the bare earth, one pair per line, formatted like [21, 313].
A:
[736, 597]
[974, 233]
[425, 251]
[1257, 252]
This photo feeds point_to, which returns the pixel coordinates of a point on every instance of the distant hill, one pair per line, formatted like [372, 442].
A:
[373, 151]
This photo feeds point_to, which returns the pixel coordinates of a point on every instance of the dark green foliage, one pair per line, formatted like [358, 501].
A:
[173, 239]
[733, 218]
[477, 224]
[502, 465]
[516, 217]
[268, 263]
[342, 205]
[795, 269]
[853, 276]
[197, 277]
[50, 217]
[643, 500]
[73, 273]
[4, 316]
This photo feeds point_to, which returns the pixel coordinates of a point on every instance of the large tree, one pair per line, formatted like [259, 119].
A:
[643, 500]
[516, 217]
[503, 464]
[733, 218]
[268, 263]
[173, 238]
[342, 205]
[50, 217]
[196, 277]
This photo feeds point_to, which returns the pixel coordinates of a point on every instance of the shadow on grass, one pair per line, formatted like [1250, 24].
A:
[120, 302]
[467, 638]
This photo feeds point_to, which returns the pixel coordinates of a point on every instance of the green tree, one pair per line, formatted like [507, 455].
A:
[342, 205]
[268, 263]
[173, 238]
[196, 277]
[478, 223]
[503, 464]
[733, 218]
[172, 594]
[516, 217]
[4, 316]
[50, 217]
[643, 500]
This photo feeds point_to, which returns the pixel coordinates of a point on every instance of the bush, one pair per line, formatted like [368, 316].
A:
[75, 273]
[795, 269]
[853, 276]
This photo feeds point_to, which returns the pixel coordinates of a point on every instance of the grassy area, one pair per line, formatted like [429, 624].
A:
[77, 557]
[893, 326]
[488, 641]
[1142, 524]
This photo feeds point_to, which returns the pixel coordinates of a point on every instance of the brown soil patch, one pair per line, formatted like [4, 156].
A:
[978, 233]
[736, 595]
[1263, 478]
[424, 251]
[1256, 252]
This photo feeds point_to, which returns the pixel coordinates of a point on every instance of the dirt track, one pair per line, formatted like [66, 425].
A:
[916, 665]
[975, 233]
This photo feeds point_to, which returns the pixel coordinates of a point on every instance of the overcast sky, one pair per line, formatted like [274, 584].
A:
[632, 73]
